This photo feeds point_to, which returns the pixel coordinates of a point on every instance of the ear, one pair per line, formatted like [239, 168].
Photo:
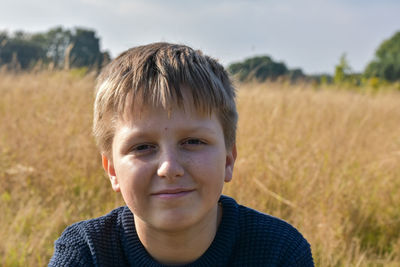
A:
[109, 168]
[230, 162]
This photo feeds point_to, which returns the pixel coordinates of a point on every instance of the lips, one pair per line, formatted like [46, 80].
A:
[172, 193]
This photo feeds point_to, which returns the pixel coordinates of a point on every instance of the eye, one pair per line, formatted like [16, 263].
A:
[143, 148]
[194, 142]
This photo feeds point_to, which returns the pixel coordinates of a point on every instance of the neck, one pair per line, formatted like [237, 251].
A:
[182, 246]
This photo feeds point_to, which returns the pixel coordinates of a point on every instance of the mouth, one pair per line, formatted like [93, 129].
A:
[172, 193]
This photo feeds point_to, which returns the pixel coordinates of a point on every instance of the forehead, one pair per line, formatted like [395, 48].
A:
[182, 95]
[157, 114]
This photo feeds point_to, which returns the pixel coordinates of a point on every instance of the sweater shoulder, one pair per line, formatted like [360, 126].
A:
[80, 241]
[101, 224]
[81, 231]
[251, 222]
[266, 236]
[254, 222]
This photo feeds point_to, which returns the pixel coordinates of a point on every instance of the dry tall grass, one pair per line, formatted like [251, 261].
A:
[328, 161]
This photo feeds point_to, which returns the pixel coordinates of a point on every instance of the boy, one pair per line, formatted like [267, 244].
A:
[165, 122]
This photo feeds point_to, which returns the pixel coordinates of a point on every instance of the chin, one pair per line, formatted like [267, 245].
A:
[174, 221]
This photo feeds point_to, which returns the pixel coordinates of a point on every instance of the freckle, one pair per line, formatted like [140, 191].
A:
[166, 128]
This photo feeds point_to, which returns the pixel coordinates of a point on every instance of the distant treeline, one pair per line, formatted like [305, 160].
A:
[263, 68]
[61, 48]
[57, 48]
[385, 67]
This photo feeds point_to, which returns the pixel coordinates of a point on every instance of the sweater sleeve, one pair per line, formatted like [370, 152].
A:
[71, 249]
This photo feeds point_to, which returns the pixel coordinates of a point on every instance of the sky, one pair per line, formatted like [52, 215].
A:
[307, 34]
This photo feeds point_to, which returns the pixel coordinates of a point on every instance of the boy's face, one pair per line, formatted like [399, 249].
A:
[170, 169]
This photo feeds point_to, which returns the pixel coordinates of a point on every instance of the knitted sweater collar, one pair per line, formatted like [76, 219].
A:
[216, 255]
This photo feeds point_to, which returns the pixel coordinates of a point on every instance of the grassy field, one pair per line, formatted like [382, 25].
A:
[327, 160]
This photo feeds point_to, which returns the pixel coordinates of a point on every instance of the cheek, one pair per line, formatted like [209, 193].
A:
[134, 179]
[129, 169]
[209, 166]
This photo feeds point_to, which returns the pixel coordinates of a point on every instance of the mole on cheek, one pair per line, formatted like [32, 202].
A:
[166, 128]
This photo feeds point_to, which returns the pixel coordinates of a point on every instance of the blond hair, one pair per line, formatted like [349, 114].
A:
[159, 74]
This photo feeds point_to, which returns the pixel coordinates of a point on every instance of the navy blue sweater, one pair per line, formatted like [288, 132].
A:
[245, 237]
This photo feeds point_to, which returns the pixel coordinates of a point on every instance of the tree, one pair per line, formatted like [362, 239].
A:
[19, 50]
[386, 64]
[56, 41]
[59, 47]
[295, 75]
[342, 70]
[85, 49]
[260, 68]
[3, 41]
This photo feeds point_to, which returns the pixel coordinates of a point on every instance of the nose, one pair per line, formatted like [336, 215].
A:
[170, 166]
